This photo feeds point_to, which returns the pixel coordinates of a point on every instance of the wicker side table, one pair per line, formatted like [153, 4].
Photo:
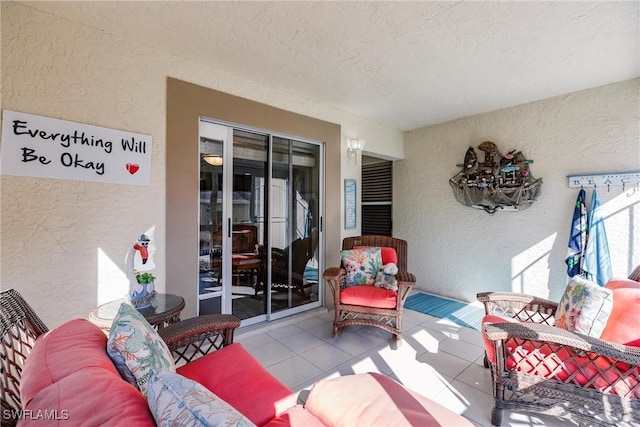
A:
[165, 310]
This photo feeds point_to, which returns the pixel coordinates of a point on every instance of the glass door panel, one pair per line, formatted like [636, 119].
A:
[211, 254]
[294, 223]
[258, 224]
[250, 153]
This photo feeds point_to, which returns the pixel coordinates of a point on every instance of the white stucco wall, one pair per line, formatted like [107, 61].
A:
[458, 251]
[64, 242]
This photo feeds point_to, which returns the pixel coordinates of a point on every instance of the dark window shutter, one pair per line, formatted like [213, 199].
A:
[377, 196]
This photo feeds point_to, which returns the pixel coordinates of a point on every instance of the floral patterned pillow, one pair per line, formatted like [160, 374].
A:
[178, 401]
[362, 265]
[133, 340]
[585, 307]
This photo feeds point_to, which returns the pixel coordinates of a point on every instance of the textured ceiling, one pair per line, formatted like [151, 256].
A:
[402, 64]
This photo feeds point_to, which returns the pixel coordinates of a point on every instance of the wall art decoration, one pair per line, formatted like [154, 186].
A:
[500, 182]
[44, 147]
[350, 217]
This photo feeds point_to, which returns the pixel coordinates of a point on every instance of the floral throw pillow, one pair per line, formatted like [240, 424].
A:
[585, 307]
[133, 340]
[361, 265]
[178, 401]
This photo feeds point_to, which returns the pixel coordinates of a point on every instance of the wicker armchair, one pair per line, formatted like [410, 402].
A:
[543, 369]
[20, 326]
[389, 319]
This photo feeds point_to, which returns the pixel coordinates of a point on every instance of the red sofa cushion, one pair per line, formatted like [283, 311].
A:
[73, 400]
[239, 379]
[50, 360]
[623, 325]
[62, 365]
[368, 296]
[296, 416]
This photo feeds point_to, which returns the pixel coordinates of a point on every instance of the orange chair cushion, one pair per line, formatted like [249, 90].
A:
[368, 296]
[623, 325]
[239, 379]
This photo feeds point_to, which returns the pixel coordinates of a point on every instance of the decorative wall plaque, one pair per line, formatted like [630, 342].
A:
[501, 182]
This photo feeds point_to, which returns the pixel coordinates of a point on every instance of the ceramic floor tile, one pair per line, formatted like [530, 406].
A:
[423, 340]
[444, 363]
[301, 342]
[323, 330]
[476, 377]
[254, 340]
[311, 322]
[467, 401]
[461, 349]
[326, 356]
[294, 371]
[284, 331]
[271, 353]
[354, 343]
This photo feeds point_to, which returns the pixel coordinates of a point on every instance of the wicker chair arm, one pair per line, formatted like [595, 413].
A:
[519, 306]
[334, 273]
[552, 335]
[406, 278]
[216, 330]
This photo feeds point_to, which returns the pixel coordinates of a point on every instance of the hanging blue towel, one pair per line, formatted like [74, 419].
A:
[577, 236]
[597, 261]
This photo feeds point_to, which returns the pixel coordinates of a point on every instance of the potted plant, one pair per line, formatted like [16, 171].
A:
[142, 298]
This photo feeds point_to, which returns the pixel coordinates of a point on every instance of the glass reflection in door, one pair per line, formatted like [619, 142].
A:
[294, 218]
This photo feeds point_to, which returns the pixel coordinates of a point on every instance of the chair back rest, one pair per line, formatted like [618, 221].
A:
[20, 326]
[383, 241]
[635, 274]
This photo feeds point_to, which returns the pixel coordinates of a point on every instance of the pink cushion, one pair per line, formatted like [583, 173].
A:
[89, 397]
[239, 379]
[51, 359]
[368, 296]
[623, 326]
[388, 254]
[296, 416]
[375, 400]
[61, 367]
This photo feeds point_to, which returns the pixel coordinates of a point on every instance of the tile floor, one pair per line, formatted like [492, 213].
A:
[436, 358]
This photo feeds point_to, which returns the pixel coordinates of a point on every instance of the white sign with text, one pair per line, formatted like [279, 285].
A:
[44, 147]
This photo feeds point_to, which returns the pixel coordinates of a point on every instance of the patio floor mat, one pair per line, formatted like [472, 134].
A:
[458, 312]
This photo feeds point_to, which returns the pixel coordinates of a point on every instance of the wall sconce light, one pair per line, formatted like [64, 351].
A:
[355, 145]
[212, 159]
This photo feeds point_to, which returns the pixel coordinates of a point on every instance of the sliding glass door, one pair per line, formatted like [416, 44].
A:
[259, 223]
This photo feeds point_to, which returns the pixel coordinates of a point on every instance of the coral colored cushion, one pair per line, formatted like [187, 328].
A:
[376, 400]
[89, 397]
[133, 340]
[50, 360]
[178, 401]
[361, 265]
[296, 416]
[585, 307]
[388, 254]
[369, 296]
[239, 379]
[623, 326]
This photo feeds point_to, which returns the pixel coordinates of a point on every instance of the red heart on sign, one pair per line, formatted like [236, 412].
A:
[132, 168]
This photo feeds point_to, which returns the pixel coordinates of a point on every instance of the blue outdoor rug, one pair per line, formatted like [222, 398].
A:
[458, 312]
